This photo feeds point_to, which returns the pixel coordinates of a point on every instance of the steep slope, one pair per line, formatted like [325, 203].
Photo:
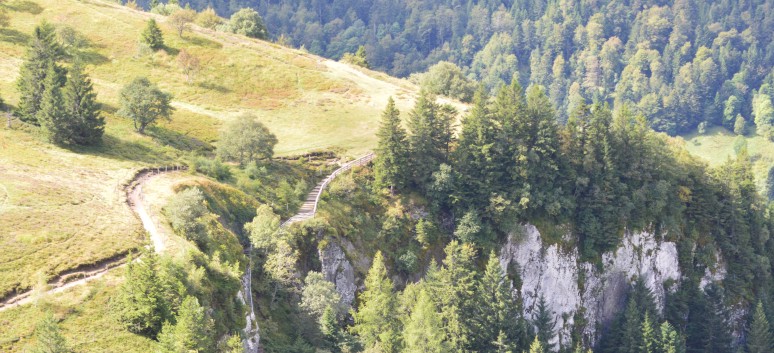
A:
[49, 193]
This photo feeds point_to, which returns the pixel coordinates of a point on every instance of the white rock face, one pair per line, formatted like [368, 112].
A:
[554, 273]
[338, 270]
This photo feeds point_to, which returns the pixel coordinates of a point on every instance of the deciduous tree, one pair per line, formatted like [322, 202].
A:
[245, 139]
[144, 103]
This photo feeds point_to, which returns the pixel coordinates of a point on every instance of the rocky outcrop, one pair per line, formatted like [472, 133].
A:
[598, 293]
[338, 270]
[252, 335]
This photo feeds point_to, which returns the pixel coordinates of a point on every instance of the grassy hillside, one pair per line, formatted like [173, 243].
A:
[716, 147]
[49, 196]
[309, 102]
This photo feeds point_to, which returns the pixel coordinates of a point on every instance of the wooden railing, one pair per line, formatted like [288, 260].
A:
[356, 163]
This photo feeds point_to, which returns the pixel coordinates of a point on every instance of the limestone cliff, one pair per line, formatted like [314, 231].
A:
[570, 286]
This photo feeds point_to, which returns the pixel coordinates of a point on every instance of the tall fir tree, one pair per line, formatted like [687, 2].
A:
[376, 321]
[544, 324]
[42, 52]
[430, 138]
[152, 35]
[474, 156]
[649, 336]
[424, 330]
[537, 162]
[759, 339]
[391, 165]
[81, 107]
[499, 320]
[537, 346]
[453, 287]
[192, 332]
[670, 340]
[52, 116]
[141, 303]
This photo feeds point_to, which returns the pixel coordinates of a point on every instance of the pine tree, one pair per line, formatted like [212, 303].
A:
[632, 333]
[329, 327]
[544, 324]
[498, 318]
[152, 35]
[141, 304]
[52, 116]
[453, 287]
[49, 337]
[391, 162]
[430, 139]
[649, 336]
[375, 321]
[474, 155]
[424, 329]
[42, 53]
[81, 107]
[759, 339]
[669, 340]
[192, 331]
[536, 346]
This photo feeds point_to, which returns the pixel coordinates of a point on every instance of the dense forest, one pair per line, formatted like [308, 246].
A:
[680, 63]
[598, 175]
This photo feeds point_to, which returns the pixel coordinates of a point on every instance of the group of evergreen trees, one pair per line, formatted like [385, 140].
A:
[512, 161]
[61, 101]
[455, 308]
[597, 176]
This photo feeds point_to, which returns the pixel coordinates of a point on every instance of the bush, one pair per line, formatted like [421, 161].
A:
[447, 79]
[249, 23]
[212, 168]
[185, 211]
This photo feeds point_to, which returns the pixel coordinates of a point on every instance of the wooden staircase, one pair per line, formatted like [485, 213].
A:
[309, 208]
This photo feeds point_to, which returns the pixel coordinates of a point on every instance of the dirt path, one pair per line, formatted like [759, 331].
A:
[86, 273]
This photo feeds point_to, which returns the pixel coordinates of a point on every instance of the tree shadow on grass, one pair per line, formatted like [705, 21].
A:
[214, 87]
[177, 140]
[202, 42]
[25, 6]
[92, 57]
[13, 36]
[118, 149]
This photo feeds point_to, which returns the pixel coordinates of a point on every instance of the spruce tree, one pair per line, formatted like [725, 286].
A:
[474, 156]
[141, 303]
[42, 52]
[430, 139]
[632, 332]
[669, 340]
[49, 337]
[192, 331]
[544, 324]
[649, 336]
[453, 287]
[536, 346]
[391, 167]
[424, 330]
[82, 108]
[52, 116]
[152, 35]
[376, 320]
[759, 339]
[499, 321]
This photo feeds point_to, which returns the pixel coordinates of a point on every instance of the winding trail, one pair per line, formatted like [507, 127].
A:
[86, 273]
